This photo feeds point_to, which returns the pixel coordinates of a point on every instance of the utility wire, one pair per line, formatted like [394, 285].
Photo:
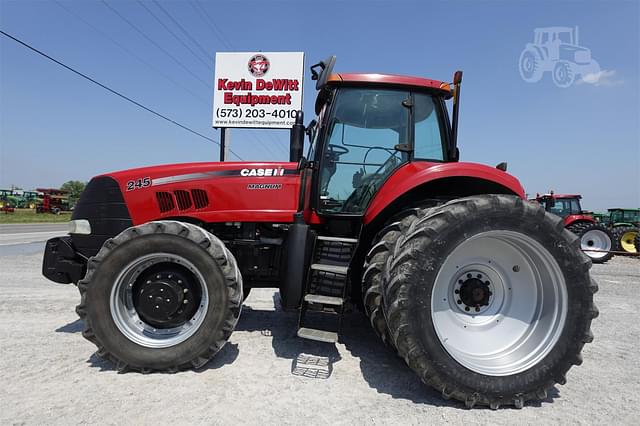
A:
[212, 25]
[138, 104]
[185, 32]
[175, 35]
[123, 47]
[132, 25]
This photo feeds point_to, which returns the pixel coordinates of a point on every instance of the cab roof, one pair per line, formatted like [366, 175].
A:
[391, 80]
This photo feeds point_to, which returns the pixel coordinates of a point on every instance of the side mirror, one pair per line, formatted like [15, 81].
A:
[296, 138]
[310, 128]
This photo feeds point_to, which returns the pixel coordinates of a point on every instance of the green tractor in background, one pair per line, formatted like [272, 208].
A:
[625, 227]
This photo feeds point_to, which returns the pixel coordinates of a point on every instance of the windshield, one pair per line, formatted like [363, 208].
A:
[563, 206]
[365, 130]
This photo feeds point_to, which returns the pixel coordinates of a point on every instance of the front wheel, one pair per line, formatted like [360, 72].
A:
[162, 296]
[489, 300]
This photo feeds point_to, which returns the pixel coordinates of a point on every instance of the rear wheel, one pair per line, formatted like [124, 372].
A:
[625, 238]
[597, 242]
[162, 296]
[372, 278]
[489, 300]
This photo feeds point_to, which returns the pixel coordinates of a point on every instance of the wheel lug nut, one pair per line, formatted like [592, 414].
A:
[161, 290]
[185, 301]
[477, 309]
[459, 302]
[158, 276]
[457, 291]
[148, 281]
[150, 296]
[469, 275]
[460, 282]
[169, 276]
[466, 308]
[168, 300]
[179, 281]
[516, 268]
[186, 290]
[487, 283]
[479, 276]
[157, 307]
[490, 294]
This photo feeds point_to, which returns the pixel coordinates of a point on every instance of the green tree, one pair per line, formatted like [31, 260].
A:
[75, 188]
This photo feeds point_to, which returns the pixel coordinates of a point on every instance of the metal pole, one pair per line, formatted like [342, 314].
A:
[223, 143]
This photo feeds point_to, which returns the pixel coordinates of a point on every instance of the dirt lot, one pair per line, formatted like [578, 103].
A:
[50, 375]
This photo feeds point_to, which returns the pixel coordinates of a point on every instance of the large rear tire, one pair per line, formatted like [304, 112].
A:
[489, 300]
[163, 296]
[375, 262]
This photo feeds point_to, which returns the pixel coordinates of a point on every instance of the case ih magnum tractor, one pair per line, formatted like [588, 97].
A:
[486, 296]
[596, 240]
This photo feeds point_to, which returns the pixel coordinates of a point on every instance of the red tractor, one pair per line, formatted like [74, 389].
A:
[485, 296]
[596, 240]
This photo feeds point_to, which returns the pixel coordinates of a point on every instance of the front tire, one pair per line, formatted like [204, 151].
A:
[489, 300]
[163, 296]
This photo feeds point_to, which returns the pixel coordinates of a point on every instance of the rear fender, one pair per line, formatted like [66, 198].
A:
[421, 180]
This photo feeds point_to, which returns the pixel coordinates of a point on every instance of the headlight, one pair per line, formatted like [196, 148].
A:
[80, 226]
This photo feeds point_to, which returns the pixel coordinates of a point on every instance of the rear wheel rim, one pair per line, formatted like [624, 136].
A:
[129, 315]
[627, 241]
[516, 319]
[595, 239]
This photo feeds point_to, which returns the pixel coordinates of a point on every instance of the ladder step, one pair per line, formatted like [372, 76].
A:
[338, 239]
[325, 300]
[318, 335]
[340, 270]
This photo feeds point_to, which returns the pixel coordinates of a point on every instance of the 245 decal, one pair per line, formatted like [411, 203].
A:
[138, 183]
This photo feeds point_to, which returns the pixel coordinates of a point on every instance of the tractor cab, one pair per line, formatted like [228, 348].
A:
[560, 204]
[624, 217]
[369, 126]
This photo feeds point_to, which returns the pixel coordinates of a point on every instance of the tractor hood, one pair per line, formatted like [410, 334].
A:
[211, 192]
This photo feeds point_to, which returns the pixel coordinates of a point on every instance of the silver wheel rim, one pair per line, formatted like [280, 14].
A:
[132, 326]
[595, 239]
[525, 313]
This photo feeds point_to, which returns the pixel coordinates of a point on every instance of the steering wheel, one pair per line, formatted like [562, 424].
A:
[390, 151]
[336, 150]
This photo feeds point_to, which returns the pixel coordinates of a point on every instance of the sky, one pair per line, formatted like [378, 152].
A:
[56, 126]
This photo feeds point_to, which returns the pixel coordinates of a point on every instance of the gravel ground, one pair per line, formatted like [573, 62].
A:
[50, 375]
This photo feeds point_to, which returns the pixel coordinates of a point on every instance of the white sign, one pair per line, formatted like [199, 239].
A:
[257, 89]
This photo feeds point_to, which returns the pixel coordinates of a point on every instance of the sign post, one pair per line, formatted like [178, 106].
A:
[256, 90]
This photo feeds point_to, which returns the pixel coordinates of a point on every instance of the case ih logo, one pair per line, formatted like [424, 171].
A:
[258, 65]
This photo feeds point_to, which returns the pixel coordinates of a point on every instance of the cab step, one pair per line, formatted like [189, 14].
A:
[326, 289]
[324, 300]
[338, 239]
[334, 269]
[318, 335]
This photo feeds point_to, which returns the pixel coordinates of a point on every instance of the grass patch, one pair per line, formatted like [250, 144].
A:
[30, 216]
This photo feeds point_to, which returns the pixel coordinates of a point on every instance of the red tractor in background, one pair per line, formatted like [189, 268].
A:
[485, 296]
[52, 200]
[596, 240]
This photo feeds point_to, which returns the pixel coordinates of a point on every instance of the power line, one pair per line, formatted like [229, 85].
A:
[212, 25]
[175, 36]
[132, 25]
[194, 41]
[121, 46]
[138, 104]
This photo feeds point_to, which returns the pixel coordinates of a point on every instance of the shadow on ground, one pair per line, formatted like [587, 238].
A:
[72, 327]
[383, 370]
